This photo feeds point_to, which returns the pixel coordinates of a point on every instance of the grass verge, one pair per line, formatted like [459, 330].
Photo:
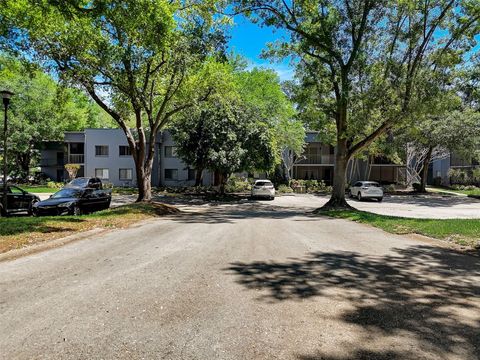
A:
[17, 232]
[38, 189]
[474, 192]
[464, 232]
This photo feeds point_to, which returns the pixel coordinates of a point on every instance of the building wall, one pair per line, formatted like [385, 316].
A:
[440, 169]
[113, 138]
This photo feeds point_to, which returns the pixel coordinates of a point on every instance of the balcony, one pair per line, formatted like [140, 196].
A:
[318, 160]
[76, 158]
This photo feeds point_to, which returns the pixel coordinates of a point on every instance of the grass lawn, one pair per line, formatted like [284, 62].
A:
[17, 232]
[460, 231]
[475, 192]
[38, 189]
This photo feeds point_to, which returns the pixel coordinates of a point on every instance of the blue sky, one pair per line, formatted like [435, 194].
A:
[248, 40]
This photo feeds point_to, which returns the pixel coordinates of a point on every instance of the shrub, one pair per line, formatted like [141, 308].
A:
[417, 186]
[294, 183]
[389, 188]
[284, 189]
[311, 186]
[459, 176]
[107, 185]
[476, 176]
[54, 185]
[237, 184]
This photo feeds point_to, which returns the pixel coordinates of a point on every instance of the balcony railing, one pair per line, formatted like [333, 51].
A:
[318, 160]
[76, 158]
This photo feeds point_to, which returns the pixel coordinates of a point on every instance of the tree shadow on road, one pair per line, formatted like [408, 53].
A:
[428, 295]
[229, 214]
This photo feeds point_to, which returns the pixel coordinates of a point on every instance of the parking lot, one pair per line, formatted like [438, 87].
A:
[431, 206]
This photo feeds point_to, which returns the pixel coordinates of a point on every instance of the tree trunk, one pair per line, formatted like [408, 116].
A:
[23, 162]
[426, 163]
[199, 177]
[337, 200]
[223, 182]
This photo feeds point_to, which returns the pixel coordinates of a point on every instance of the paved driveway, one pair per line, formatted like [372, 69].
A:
[421, 206]
[242, 281]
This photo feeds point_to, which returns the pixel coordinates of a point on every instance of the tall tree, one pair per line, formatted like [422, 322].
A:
[365, 56]
[141, 61]
[244, 126]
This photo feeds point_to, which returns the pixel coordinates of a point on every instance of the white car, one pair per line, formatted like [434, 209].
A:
[366, 190]
[263, 188]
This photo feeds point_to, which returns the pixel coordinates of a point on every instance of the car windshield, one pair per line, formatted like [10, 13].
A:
[67, 193]
[263, 183]
[371, 184]
[80, 182]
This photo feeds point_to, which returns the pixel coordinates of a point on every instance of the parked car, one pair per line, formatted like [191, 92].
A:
[263, 188]
[18, 200]
[366, 190]
[86, 182]
[73, 201]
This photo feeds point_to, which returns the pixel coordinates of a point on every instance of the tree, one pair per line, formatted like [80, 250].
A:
[41, 110]
[262, 91]
[141, 61]
[365, 57]
[457, 131]
[233, 131]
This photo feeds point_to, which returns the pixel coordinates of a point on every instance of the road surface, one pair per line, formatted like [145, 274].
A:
[242, 281]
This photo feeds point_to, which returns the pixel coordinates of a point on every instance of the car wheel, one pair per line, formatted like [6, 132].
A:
[350, 195]
[380, 199]
[76, 211]
[359, 196]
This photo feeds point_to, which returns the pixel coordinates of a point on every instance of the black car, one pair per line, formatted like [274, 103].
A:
[85, 182]
[73, 201]
[18, 200]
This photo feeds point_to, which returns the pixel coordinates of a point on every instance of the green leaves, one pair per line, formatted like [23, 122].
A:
[243, 126]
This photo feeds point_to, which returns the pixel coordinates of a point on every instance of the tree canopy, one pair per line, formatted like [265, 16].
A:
[244, 127]
[140, 61]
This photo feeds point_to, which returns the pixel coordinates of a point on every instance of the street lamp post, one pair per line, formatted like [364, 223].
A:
[6, 95]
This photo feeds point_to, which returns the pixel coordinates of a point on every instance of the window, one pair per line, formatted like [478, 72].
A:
[171, 174]
[125, 174]
[170, 151]
[101, 173]
[124, 150]
[191, 174]
[101, 150]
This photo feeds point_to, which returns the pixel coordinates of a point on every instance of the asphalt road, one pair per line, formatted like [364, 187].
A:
[242, 281]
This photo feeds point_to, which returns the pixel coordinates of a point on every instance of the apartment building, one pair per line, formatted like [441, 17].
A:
[440, 168]
[318, 163]
[104, 153]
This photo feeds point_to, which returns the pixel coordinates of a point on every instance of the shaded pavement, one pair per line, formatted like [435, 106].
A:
[251, 280]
